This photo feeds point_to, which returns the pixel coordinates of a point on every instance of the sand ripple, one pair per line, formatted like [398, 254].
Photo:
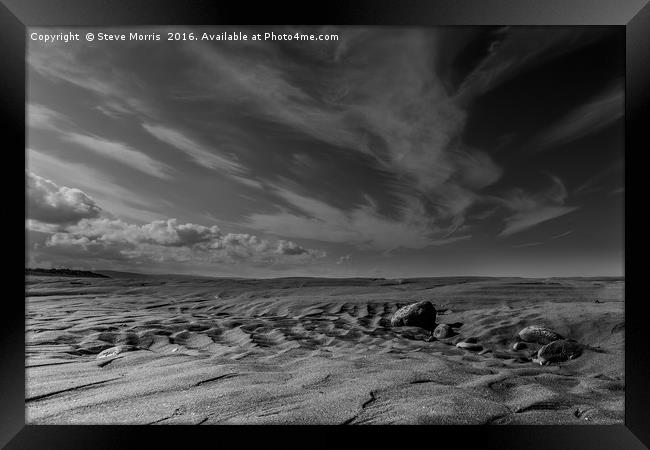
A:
[278, 351]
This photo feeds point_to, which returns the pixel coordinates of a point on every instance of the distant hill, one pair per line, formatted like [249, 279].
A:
[63, 273]
[122, 274]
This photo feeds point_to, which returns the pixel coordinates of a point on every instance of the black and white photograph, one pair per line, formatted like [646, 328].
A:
[294, 225]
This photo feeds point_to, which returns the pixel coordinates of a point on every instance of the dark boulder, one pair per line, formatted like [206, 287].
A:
[420, 314]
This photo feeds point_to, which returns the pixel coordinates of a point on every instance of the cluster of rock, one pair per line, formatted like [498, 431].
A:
[422, 314]
[554, 347]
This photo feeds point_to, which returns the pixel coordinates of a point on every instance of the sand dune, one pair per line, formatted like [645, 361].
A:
[226, 351]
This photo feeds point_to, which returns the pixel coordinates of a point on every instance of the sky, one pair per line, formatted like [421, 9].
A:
[390, 152]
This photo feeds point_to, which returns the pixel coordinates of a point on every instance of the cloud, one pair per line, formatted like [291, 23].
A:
[344, 259]
[78, 228]
[595, 182]
[528, 244]
[531, 210]
[561, 235]
[200, 154]
[537, 243]
[196, 151]
[362, 226]
[44, 118]
[114, 197]
[170, 241]
[517, 49]
[49, 203]
[379, 97]
[89, 67]
[526, 219]
[600, 112]
[120, 152]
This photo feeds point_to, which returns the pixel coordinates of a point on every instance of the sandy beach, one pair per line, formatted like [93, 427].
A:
[181, 350]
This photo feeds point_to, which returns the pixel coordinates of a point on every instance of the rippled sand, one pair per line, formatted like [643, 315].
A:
[317, 351]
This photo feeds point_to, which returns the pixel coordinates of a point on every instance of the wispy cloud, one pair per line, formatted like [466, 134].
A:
[516, 49]
[528, 244]
[538, 243]
[595, 182]
[44, 118]
[201, 154]
[362, 226]
[561, 235]
[120, 152]
[533, 209]
[379, 97]
[88, 66]
[600, 112]
[40, 116]
[526, 219]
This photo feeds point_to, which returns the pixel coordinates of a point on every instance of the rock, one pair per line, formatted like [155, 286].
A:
[519, 346]
[196, 326]
[127, 338]
[180, 337]
[538, 334]
[92, 346]
[421, 314]
[472, 346]
[442, 331]
[146, 338]
[114, 351]
[107, 336]
[559, 351]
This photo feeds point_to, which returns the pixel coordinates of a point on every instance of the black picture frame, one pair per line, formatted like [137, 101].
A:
[633, 15]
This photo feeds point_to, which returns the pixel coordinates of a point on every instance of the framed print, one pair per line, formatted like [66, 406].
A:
[246, 223]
